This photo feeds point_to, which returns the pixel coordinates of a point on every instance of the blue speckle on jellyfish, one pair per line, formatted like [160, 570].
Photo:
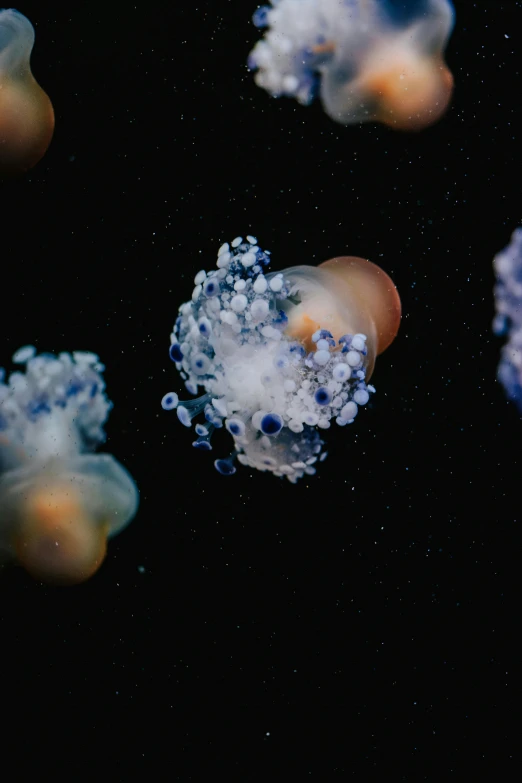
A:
[26, 113]
[369, 60]
[59, 502]
[281, 354]
[508, 319]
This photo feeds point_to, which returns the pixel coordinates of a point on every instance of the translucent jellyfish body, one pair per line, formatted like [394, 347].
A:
[281, 355]
[370, 60]
[26, 113]
[508, 319]
[59, 502]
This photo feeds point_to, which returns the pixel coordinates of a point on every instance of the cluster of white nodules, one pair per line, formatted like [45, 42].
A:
[304, 37]
[56, 407]
[271, 395]
[284, 59]
[508, 318]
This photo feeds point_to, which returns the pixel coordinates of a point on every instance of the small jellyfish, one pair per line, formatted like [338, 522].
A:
[279, 355]
[370, 60]
[59, 502]
[508, 319]
[26, 113]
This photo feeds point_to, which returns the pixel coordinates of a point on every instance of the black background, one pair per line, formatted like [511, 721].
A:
[378, 599]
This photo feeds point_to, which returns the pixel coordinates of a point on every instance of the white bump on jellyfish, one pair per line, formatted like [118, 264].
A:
[276, 283]
[239, 303]
[184, 416]
[257, 418]
[367, 61]
[236, 242]
[224, 260]
[349, 412]
[260, 284]
[353, 358]
[359, 342]
[248, 259]
[259, 309]
[205, 327]
[200, 364]
[169, 401]
[361, 397]
[321, 357]
[220, 406]
[225, 247]
[23, 355]
[200, 277]
[341, 371]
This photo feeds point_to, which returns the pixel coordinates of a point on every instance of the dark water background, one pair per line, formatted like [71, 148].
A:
[379, 599]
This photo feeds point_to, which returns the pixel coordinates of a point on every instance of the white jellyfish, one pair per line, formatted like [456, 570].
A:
[59, 502]
[280, 356]
[370, 60]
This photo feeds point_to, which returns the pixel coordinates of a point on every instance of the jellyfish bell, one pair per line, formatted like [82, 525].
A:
[56, 517]
[26, 113]
[409, 93]
[56, 541]
[345, 295]
[401, 79]
[374, 291]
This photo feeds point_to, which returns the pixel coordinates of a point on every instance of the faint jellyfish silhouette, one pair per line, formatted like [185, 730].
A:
[508, 319]
[280, 355]
[370, 60]
[58, 502]
[26, 113]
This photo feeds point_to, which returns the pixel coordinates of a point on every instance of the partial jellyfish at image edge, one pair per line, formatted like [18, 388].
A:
[59, 501]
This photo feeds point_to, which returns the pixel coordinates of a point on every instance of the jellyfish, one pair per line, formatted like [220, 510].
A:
[279, 355]
[508, 319]
[59, 502]
[370, 60]
[26, 113]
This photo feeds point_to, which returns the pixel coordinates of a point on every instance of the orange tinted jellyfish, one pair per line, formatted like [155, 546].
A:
[26, 113]
[280, 355]
[369, 60]
[59, 502]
